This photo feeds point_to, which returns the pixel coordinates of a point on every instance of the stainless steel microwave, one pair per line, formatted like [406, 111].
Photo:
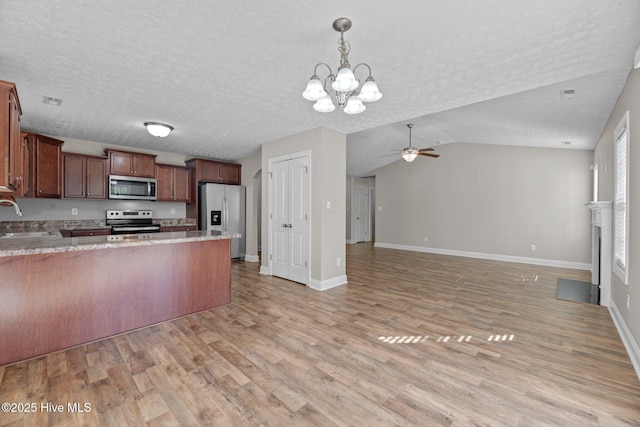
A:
[132, 188]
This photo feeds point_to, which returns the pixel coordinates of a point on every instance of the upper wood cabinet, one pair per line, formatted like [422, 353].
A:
[174, 183]
[217, 172]
[11, 152]
[131, 164]
[43, 163]
[84, 176]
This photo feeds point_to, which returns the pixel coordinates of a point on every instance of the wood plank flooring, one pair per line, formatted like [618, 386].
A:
[413, 340]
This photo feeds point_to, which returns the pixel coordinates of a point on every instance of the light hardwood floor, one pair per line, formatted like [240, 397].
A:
[413, 340]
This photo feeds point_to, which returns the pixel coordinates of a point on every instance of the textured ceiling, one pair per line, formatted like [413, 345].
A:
[229, 75]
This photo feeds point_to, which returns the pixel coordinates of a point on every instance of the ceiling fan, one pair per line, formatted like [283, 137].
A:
[410, 153]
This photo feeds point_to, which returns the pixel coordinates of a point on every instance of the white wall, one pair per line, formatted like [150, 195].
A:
[328, 175]
[628, 320]
[490, 201]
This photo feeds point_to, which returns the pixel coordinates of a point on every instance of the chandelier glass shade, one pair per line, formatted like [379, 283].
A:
[158, 129]
[343, 85]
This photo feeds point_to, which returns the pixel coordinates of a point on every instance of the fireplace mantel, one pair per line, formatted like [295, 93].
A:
[601, 248]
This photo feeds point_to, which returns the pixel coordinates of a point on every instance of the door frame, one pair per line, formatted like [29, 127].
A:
[270, 198]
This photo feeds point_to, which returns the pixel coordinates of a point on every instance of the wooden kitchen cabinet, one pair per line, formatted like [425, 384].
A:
[11, 152]
[43, 163]
[83, 232]
[84, 176]
[213, 171]
[131, 164]
[216, 172]
[174, 183]
[171, 228]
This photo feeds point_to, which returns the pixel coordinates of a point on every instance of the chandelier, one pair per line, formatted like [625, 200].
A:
[344, 85]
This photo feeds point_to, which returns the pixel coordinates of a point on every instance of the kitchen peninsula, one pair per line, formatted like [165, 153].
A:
[61, 292]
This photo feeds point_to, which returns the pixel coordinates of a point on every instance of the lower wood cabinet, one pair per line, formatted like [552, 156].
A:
[86, 232]
[85, 177]
[170, 228]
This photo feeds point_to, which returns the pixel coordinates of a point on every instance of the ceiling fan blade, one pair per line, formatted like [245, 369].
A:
[429, 155]
[425, 149]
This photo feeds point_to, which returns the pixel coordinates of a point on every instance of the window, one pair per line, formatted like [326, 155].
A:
[620, 203]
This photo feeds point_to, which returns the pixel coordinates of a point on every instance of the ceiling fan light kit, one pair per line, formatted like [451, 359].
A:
[344, 85]
[410, 153]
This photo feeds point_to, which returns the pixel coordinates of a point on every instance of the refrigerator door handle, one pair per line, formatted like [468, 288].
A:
[225, 220]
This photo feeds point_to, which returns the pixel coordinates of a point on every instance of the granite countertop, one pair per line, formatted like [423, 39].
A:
[52, 244]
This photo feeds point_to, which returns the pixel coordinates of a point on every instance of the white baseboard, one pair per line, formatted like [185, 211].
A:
[323, 285]
[265, 270]
[351, 242]
[627, 338]
[494, 257]
[251, 258]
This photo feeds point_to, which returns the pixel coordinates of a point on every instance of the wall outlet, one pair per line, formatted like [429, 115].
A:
[379, 208]
[328, 204]
[74, 211]
[173, 211]
[426, 239]
[338, 262]
[627, 301]
[533, 247]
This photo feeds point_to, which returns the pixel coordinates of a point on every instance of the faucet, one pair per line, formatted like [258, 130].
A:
[11, 202]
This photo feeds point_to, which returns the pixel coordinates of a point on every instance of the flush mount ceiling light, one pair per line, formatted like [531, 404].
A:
[344, 85]
[158, 129]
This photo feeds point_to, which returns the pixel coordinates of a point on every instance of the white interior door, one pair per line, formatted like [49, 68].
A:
[290, 219]
[362, 214]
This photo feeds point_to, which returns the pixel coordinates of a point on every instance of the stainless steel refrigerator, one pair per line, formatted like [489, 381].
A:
[222, 208]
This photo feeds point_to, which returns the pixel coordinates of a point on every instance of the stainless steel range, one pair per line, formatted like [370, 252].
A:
[132, 222]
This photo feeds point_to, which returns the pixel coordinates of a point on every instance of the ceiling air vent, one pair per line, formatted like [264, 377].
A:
[568, 93]
[52, 101]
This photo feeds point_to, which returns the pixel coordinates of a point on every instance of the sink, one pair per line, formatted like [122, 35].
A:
[30, 234]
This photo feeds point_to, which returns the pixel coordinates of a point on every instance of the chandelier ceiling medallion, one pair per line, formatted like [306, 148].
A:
[344, 85]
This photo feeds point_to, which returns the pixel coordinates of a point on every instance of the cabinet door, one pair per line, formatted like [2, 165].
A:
[120, 163]
[172, 228]
[229, 173]
[91, 232]
[74, 176]
[11, 163]
[164, 175]
[208, 171]
[96, 181]
[181, 185]
[16, 162]
[48, 165]
[144, 166]
[28, 168]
